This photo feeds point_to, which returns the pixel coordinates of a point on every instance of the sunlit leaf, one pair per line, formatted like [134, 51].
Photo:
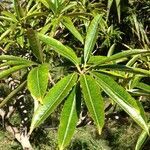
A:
[59, 48]
[91, 37]
[38, 81]
[15, 58]
[93, 100]
[10, 15]
[123, 54]
[125, 69]
[143, 86]
[142, 139]
[53, 98]
[70, 26]
[68, 121]
[12, 70]
[123, 99]
[18, 9]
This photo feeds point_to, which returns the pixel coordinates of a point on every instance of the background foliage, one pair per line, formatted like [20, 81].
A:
[68, 54]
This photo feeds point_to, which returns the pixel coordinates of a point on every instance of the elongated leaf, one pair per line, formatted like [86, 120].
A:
[14, 92]
[142, 139]
[18, 10]
[53, 99]
[35, 44]
[111, 50]
[46, 28]
[14, 58]
[34, 14]
[96, 59]
[59, 48]
[7, 19]
[143, 86]
[123, 99]
[68, 121]
[10, 15]
[93, 100]
[91, 37]
[45, 3]
[70, 26]
[126, 69]
[118, 9]
[113, 73]
[5, 33]
[37, 82]
[14, 63]
[123, 54]
[11, 70]
[109, 4]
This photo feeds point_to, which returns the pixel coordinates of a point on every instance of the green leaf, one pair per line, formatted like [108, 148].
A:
[34, 14]
[142, 139]
[109, 4]
[3, 35]
[14, 92]
[18, 9]
[123, 99]
[37, 82]
[53, 98]
[91, 37]
[70, 26]
[93, 100]
[126, 69]
[14, 58]
[143, 86]
[96, 59]
[123, 54]
[59, 48]
[45, 28]
[10, 15]
[35, 44]
[12, 70]
[45, 3]
[118, 9]
[68, 121]
[14, 63]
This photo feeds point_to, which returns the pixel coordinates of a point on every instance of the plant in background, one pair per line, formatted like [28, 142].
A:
[87, 76]
[93, 75]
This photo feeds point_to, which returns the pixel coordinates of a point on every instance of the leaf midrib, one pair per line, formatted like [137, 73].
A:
[38, 83]
[69, 120]
[91, 100]
[55, 100]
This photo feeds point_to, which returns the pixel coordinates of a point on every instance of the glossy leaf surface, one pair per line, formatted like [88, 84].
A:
[123, 99]
[142, 139]
[37, 82]
[12, 70]
[70, 26]
[53, 98]
[123, 54]
[68, 121]
[59, 48]
[91, 37]
[93, 100]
